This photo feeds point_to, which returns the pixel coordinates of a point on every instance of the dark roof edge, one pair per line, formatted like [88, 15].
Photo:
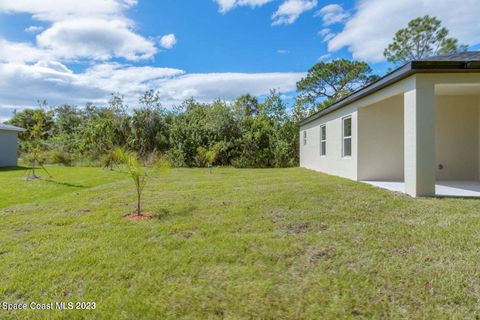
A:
[398, 74]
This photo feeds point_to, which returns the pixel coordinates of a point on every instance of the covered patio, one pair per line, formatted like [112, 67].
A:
[424, 141]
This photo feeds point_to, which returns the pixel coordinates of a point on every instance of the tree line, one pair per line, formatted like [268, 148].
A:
[246, 132]
[242, 133]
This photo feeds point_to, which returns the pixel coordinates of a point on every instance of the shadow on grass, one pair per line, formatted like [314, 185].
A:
[8, 169]
[66, 184]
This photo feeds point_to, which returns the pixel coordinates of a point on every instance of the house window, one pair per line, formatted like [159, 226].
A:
[347, 137]
[305, 137]
[323, 140]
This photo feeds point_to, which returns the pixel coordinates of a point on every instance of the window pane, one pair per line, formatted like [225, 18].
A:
[324, 133]
[323, 150]
[347, 147]
[347, 127]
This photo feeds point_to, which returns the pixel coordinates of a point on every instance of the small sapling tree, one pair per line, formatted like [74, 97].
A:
[140, 171]
[207, 157]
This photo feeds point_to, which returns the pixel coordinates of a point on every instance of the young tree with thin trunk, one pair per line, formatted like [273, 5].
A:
[140, 171]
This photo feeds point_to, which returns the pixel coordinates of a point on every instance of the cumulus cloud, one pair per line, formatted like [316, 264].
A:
[168, 41]
[55, 82]
[227, 5]
[290, 10]
[96, 39]
[41, 81]
[228, 86]
[367, 40]
[331, 14]
[87, 29]
[21, 52]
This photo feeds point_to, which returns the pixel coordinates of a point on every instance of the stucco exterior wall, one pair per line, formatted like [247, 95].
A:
[8, 148]
[437, 129]
[381, 141]
[333, 163]
[457, 137]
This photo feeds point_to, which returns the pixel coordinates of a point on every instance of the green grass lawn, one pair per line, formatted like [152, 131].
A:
[269, 244]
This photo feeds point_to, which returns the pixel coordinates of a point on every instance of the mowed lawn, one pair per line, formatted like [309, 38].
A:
[235, 244]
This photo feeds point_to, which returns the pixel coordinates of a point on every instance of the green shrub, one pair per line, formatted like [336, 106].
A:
[57, 157]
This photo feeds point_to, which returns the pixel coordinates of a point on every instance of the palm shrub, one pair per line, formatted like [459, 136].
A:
[140, 171]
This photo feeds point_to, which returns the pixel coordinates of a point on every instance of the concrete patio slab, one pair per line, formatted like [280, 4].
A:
[442, 188]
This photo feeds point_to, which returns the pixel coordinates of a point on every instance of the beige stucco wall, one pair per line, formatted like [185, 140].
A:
[8, 148]
[457, 137]
[381, 141]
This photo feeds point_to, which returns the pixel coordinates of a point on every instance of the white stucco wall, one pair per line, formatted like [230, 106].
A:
[333, 163]
[419, 96]
[381, 141]
[457, 137]
[8, 148]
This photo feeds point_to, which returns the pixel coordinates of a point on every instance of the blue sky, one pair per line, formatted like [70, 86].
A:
[69, 51]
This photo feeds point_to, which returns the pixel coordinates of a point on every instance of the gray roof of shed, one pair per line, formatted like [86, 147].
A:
[452, 63]
[8, 127]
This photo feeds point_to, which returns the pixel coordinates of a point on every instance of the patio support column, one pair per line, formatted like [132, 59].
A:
[419, 133]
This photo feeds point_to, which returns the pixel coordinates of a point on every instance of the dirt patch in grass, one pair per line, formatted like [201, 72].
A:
[139, 217]
[400, 251]
[303, 227]
[313, 255]
[185, 233]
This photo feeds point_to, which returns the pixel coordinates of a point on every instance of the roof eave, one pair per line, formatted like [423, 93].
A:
[398, 74]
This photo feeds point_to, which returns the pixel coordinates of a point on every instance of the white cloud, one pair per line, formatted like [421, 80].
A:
[96, 39]
[326, 57]
[282, 51]
[33, 29]
[228, 86]
[373, 25]
[168, 41]
[290, 10]
[227, 5]
[331, 14]
[87, 29]
[41, 81]
[326, 34]
[58, 84]
[21, 52]
[55, 10]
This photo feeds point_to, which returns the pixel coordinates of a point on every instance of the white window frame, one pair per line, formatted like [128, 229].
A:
[344, 138]
[323, 142]
[304, 137]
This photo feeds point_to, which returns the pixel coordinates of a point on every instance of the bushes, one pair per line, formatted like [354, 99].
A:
[245, 133]
[50, 157]
[58, 157]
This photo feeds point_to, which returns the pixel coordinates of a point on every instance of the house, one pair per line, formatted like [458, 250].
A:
[416, 130]
[9, 145]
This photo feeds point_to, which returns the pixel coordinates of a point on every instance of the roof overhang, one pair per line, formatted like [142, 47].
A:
[397, 75]
[6, 127]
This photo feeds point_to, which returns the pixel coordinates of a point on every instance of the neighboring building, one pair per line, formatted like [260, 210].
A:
[415, 127]
[9, 145]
